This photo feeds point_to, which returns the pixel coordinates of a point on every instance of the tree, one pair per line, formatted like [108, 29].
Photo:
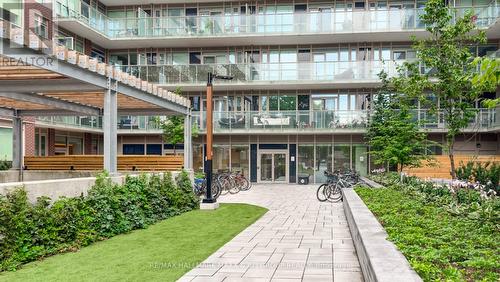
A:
[173, 127]
[488, 77]
[393, 134]
[447, 69]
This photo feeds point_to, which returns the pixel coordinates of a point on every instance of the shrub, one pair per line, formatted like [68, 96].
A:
[33, 231]
[487, 174]
[5, 165]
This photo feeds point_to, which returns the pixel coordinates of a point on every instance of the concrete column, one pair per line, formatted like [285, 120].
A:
[188, 143]
[109, 123]
[17, 143]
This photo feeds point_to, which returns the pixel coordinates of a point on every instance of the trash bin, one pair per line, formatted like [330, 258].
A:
[303, 179]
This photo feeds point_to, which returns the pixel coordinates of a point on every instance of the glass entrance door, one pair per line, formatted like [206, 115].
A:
[273, 167]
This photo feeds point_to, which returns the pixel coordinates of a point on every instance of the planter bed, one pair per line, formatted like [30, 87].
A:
[445, 235]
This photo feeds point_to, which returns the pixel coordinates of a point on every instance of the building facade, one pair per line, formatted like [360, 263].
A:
[304, 76]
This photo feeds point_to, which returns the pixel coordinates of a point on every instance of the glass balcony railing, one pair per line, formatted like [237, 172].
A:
[321, 121]
[90, 122]
[132, 123]
[277, 121]
[248, 73]
[259, 24]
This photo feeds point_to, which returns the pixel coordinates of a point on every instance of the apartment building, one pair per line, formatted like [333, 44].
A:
[304, 75]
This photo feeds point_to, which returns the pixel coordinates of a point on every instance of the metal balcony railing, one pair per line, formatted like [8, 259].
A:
[252, 73]
[260, 24]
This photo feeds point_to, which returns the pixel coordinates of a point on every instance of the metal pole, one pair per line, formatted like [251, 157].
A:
[208, 163]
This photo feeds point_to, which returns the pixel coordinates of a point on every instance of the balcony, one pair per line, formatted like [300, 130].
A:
[307, 122]
[300, 75]
[274, 122]
[307, 27]
[84, 123]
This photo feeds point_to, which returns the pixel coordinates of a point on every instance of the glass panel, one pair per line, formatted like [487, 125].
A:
[220, 160]
[266, 167]
[323, 162]
[341, 158]
[279, 167]
[305, 160]
[287, 103]
[360, 159]
[239, 159]
[75, 146]
[198, 158]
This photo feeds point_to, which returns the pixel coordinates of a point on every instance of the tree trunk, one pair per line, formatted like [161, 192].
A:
[451, 156]
[401, 173]
[452, 166]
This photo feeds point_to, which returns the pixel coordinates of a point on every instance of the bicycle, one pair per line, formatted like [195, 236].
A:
[332, 190]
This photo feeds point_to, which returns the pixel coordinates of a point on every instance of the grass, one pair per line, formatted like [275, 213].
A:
[438, 245]
[162, 252]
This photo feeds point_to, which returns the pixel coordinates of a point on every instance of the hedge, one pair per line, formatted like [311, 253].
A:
[32, 231]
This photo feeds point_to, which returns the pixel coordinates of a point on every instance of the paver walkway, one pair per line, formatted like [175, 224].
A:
[299, 239]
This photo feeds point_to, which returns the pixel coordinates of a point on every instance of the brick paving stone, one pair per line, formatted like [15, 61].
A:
[298, 239]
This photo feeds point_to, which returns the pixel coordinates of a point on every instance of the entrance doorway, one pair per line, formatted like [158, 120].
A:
[272, 166]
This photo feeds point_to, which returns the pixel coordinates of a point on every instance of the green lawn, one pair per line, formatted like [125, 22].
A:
[440, 246]
[162, 252]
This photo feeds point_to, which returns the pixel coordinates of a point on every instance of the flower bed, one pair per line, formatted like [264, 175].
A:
[33, 231]
[446, 232]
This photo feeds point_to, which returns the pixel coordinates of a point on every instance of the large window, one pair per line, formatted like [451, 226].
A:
[323, 161]
[220, 161]
[360, 158]
[133, 149]
[305, 160]
[341, 157]
[41, 26]
[6, 141]
[239, 159]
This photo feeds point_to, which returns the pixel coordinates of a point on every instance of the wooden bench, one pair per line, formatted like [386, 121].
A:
[95, 162]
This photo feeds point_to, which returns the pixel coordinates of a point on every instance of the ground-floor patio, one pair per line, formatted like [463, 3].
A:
[298, 239]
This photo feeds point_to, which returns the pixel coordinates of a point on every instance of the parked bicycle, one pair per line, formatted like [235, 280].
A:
[332, 190]
[223, 183]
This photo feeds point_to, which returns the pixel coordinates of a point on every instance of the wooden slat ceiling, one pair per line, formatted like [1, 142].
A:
[21, 105]
[10, 70]
[96, 99]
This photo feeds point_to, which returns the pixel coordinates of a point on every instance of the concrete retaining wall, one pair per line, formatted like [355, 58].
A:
[380, 259]
[32, 175]
[55, 188]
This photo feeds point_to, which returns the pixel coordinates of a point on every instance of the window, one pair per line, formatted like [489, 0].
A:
[133, 149]
[399, 55]
[98, 54]
[153, 149]
[41, 26]
[195, 58]
[359, 5]
[151, 58]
